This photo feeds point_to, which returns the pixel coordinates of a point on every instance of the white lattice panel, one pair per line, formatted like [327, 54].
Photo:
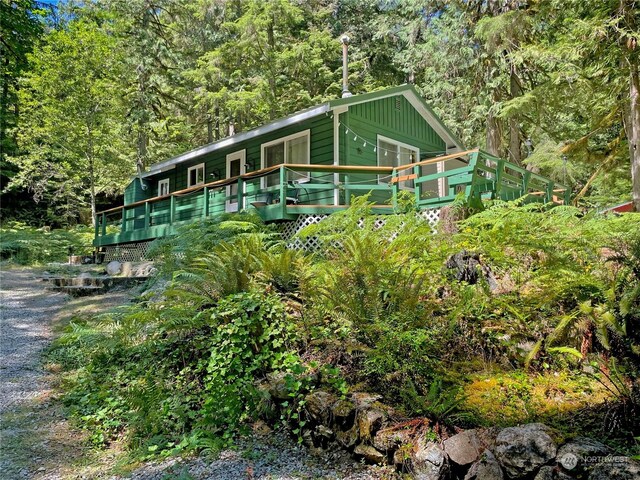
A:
[133, 252]
[431, 215]
[290, 229]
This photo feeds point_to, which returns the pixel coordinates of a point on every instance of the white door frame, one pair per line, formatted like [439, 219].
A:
[240, 155]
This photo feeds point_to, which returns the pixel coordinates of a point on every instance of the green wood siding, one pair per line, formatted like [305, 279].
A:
[391, 117]
[134, 192]
[321, 149]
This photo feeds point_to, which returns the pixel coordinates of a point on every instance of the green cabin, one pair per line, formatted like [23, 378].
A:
[298, 169]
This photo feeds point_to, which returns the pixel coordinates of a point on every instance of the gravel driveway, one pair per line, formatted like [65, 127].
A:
[26, 424]
[36, 442]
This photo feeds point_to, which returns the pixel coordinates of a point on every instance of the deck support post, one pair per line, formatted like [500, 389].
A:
[205, 202]
[347, 193]
[240, 194]
[283, 190]
[147, 214]
[124, 219]
[416, 187]
[172, 210]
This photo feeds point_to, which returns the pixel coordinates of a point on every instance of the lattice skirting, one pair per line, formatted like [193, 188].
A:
[130, 252]
[288, 230]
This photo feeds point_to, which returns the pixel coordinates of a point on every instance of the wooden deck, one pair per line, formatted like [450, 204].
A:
[473, 173]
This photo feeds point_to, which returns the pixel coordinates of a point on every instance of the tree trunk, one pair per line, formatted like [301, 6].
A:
[94, 213]
[633, 133]
[494, 132]
[4, 102]
[514, 124]
[92, 177]
[209, 128]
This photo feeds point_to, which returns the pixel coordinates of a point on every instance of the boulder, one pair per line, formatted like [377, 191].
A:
[429, 461]
[486, 468]
[128, 269]
[348, 438]
[522, 450]
[318, 405]
[277, 385]
[551, 473]
[114, 267]
[390, 439]
[369, 422]
[344, 413]
[324, 432]
[363, 400]
[616, 468]
[370, 454]
[464, 448]
[571, 456]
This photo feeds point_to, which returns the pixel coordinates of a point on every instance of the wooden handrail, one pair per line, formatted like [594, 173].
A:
[430, 161]
[257, 174]
[321, 168]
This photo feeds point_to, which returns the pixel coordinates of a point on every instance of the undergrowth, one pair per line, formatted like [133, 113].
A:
[547, 329]
[27, 245]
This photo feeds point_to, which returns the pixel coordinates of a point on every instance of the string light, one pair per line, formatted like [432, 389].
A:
[386, 151]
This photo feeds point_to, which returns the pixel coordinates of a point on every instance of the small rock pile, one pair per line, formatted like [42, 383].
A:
[371, 431]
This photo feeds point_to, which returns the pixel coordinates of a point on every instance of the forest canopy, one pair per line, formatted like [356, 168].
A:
[93, 91]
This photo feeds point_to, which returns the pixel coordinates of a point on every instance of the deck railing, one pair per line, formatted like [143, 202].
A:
[303, 188]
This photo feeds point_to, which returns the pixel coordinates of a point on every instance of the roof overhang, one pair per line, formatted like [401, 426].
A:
[234, 139]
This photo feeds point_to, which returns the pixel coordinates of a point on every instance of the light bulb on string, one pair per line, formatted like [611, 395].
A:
[355, 138]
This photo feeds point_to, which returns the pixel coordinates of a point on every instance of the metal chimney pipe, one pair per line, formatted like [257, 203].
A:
[345, 66]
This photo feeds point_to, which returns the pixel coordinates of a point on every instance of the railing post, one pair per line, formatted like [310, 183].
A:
[241, 194]
[395, 188]
[525, 182]
[416, 186]
[124, 220]
[283, 189]
[205, 202]
[347, 193]
[147, 215]
[97, 226]
[172, 209]
[104, 224]
[549, 196]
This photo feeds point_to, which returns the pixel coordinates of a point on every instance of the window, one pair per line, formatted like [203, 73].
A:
[291, 149]
[393, 154]
[195, 175]
[163, 187]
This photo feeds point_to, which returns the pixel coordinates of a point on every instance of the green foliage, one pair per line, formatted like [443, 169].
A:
[251, 337]
[376, 310]
[30, 246]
